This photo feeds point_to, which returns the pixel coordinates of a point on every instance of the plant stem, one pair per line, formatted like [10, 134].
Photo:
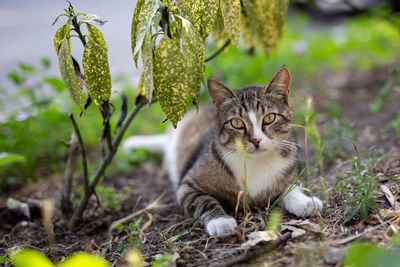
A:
[106, 161]
[77, 29]
[66, 204]
[219, 51]
[83, 153]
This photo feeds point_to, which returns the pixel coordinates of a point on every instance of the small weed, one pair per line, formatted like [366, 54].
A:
[110, 198]
[178, 236]
[132, 230]
[376, 105]
[361, 186]
[163, 260]
[396, 124]
[335, 133]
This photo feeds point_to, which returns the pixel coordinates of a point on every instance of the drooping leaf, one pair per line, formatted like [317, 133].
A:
[231, 14]
[68, 74]
[170, 78]
[144, 20]
[269, 17]
[61, 33]
[247, 28]
[193, 52]
[96, 36]
[147, 58]
[30, 257]
[204, 15]
[135, 21]
[219, 32]
[97, 72]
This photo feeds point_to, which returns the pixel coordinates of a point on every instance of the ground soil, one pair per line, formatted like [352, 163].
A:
[324, 237]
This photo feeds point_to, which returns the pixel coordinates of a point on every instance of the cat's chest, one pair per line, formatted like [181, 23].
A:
[263, 174]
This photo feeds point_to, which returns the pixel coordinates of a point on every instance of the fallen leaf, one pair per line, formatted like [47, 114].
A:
[389, 196]
[256, 237]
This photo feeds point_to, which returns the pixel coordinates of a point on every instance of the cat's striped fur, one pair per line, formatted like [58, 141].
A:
[205, 164]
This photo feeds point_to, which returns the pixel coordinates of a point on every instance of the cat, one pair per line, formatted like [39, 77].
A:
[205, 165]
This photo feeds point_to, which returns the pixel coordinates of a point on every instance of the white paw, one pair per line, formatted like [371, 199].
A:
[308, 206]
[221, 226]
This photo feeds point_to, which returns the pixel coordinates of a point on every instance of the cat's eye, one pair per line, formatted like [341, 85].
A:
[269, 118]
[237, 123]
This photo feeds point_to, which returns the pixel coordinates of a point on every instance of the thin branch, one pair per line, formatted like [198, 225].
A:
[219, 51]
[106, 161]
[83, 153]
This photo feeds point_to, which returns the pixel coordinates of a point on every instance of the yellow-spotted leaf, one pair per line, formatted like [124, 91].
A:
[96, 36]
[205, 13]
[147, 58]
[170, 77]
[68, 74]
[61, 33]
[247, 26]
[219, 32]
[97, 72]
[192, 48]
[231, 14]
[135, 22]
[269, 17]
[143, 24]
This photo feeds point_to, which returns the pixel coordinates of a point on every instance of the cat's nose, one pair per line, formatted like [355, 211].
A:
[255, 141]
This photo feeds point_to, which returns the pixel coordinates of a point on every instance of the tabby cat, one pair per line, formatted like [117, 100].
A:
[205, 164]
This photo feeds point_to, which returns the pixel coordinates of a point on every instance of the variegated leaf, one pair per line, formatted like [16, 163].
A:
[205, 13]
[147, 58]
[247, 25]
[96, 36]
[97, 72]
[62, 32]
[186, 11]
[170, 78]
[218, 32]
[135, 17]
[68, 74]
[192, 48]
[269, 17]
[231, 14]
[143, 23]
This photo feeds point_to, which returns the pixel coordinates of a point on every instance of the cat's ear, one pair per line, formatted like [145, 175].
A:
[219, 92]
[279, 84]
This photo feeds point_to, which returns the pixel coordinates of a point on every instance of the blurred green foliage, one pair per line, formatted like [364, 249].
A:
[30, 257]
[363, 254]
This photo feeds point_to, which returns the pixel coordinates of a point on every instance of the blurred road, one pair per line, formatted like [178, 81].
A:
[26, 34]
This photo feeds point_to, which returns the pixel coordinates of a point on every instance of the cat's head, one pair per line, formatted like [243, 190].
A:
[259, 116]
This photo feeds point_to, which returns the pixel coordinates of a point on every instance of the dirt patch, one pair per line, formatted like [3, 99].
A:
[321, 240]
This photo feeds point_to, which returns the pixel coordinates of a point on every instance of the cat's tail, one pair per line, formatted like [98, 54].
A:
[153, 143]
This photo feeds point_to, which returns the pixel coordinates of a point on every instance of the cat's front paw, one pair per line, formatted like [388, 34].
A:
[221, 226]
[308, 206]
